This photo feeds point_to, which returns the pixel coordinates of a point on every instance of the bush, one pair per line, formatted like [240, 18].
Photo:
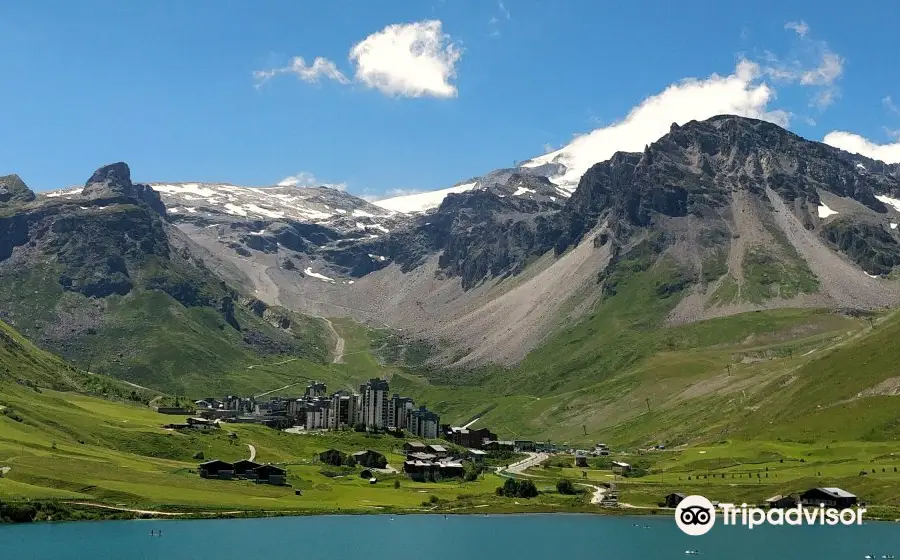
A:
[470, 471]
[396, 483]
[565, 486]
[513, 488]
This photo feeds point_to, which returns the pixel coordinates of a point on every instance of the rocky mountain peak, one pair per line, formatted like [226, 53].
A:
[113, 182]
[13, 189]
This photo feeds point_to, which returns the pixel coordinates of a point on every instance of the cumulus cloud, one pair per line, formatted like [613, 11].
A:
[799, 27]
[305, 179]
[410, 60]
[856, 144]
[320, 68]
[739, 93]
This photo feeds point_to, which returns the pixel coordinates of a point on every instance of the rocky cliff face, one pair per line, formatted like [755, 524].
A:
[91, 261]
[13, 190]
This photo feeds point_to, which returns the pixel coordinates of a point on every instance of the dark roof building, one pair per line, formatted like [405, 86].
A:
[244, 466]
[829, 497]
[270, 474]
[672, 500]
[216, 469]
[371, 459]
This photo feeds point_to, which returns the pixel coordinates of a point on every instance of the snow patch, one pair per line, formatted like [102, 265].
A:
[185, 188]
[421, 202]
[861, 166]
[892, 202]
[309, 272]
[825, 211]
[871, 275]
[523, 190]
[264, 211]
[362, 214]
[235, 210]
[893, 225]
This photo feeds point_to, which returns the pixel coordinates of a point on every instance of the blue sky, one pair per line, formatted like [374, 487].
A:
[205, 90]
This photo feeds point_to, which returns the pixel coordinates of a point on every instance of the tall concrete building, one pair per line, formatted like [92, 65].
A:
[374, 403]
[424, 423]
[398, 411]
[343, 411]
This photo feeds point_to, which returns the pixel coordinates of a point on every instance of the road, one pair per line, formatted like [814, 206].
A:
[252, 451]
[533, 460]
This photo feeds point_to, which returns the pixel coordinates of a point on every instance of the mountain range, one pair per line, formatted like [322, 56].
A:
[734, 214]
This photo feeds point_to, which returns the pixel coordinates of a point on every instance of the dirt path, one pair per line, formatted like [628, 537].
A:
[252, 451]
[116, 508]
[288, 386]
[339, 342]
[599, 492]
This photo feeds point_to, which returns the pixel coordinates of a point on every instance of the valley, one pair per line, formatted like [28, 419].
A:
[729, 293]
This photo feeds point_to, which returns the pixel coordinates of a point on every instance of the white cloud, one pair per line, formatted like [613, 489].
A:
[412, 60]
[305, 179]
[504, 10]
[691, 99]
[320, 68]
[798, 27]
[829, 70]
[889, 104]
[811, 63]
[824, 98]
[856, 144]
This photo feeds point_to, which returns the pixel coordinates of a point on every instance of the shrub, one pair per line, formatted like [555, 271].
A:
[565, 486]
[513, 488]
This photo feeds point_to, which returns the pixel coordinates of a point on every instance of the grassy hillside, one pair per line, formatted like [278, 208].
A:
[65, 447]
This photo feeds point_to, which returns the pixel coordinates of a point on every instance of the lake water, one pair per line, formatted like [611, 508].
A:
[498, 537]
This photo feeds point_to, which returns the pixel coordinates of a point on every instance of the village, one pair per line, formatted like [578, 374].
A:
[432, 452]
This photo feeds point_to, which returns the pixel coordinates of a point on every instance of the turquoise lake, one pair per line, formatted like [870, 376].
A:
[519, 537]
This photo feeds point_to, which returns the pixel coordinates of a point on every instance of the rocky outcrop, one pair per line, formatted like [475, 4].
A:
[13, 190]
[112, 183]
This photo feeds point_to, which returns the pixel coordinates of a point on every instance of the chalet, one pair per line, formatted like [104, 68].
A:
[468, 437]
[499, 445]
[216, 469]
[477, 456]
[244, 468]
[522, 445]
[619, 467]
[781, 502]
[451, 469]
[438, 451]
[371, 459]
[420, 457]
[333, 457]
[581, 458]
[672, 500]
[829, 497]
[201, 424]
[174, 410]
[414, 447]
[270, 474]
[421, 471]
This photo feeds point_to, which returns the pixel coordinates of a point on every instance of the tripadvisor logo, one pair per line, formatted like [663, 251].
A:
[696, 515]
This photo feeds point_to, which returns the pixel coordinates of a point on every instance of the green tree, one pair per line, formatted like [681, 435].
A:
[565, 486]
